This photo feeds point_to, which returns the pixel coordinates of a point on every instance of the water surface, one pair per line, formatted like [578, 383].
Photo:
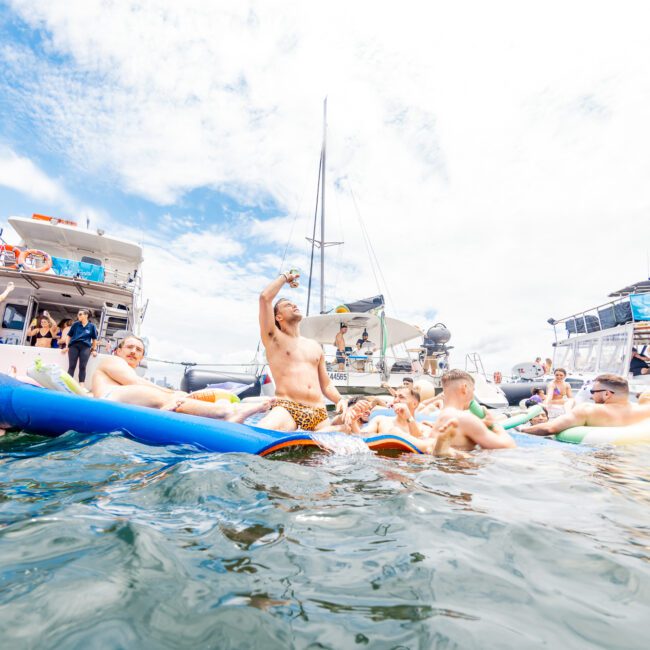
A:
[107, 543]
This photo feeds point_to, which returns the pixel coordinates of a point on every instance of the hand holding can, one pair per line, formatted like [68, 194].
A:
[294, 274]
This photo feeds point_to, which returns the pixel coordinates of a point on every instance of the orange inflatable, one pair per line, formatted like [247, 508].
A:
[32, 254]
[8, 248]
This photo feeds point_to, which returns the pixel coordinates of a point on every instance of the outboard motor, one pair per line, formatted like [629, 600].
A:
[436, 339]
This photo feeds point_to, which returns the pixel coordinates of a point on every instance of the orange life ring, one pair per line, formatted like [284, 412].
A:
[8, 248]
[33, 252]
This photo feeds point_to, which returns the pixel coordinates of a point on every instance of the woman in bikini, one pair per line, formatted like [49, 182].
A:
[558, 394]
[43, 331]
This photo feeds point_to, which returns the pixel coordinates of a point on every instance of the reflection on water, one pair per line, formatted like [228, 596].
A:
[107, 543]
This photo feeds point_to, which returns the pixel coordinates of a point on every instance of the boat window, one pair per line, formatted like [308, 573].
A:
[563, 357]
[586, 356]
[612, 353]
[14, 317]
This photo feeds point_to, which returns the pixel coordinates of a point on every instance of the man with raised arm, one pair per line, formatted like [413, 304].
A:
[115, 379]
[297, 365]
[612, 408]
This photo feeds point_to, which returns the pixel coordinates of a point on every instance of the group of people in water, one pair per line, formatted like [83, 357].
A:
[302, 384]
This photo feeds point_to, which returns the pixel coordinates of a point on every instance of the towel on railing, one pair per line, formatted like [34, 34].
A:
[72, 268]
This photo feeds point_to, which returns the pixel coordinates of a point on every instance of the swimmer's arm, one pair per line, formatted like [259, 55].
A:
[569, 391]
[392, 391]
[574, 418]
[326, 384]
[479, 434]
[268, 328]
[372, 426]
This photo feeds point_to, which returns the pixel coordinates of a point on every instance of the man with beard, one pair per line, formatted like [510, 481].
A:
[297, 365]
[115, 379]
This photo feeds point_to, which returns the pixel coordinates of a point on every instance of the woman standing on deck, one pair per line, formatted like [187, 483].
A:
[43, 331]
[559, 397]
[80, 343]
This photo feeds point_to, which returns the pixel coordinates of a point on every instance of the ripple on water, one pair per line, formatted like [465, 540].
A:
[108, 543]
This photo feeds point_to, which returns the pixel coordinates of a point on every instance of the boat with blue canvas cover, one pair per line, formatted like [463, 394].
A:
[58, 266]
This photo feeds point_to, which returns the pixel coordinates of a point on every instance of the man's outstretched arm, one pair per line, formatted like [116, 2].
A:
[576, 417]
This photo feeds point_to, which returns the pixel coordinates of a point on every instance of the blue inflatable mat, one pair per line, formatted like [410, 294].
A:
[46, 412]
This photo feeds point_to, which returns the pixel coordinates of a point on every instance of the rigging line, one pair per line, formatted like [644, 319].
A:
[313, 236]
[366, 238]
[372, 250]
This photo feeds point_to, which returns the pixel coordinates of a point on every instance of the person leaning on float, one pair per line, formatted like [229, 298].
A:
[611, 408]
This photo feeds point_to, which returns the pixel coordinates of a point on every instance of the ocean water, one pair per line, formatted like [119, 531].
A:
[107, 543]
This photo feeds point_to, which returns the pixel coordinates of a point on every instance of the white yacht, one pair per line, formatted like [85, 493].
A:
[601, 339]
[60, 267]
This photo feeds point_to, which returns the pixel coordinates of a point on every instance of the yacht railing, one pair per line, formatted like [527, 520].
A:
[603, 317]
[112, 277]
[358, 362]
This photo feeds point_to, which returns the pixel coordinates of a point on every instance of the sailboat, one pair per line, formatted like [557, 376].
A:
[378, 361]
[391, 360]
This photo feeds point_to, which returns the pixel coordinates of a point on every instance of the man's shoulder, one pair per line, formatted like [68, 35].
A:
[111, 362]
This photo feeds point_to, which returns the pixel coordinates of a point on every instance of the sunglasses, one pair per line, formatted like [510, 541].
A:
[600, 390]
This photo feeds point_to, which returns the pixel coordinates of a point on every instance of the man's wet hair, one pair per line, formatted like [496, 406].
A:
[457, 375]
[120, 345]
[615, 383]
[411, 392]
[408, 380]
[275, 311]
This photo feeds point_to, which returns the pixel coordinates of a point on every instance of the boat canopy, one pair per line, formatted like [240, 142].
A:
[325, 328]
[41, 234]
[637, 287]
[364, 305]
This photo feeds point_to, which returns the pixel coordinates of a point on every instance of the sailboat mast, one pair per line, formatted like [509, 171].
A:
[322, 212]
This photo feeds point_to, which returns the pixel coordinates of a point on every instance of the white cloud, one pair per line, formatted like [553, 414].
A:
[21, 174]
[499, 154]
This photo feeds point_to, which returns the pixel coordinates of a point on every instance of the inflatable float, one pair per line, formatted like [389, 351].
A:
[633, 434]
[52, 413]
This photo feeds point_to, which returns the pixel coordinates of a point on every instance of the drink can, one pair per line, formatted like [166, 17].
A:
[294, 283]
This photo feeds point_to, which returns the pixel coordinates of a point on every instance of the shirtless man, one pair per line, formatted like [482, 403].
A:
[612, 408]
[297, 364]
[339, 344]
[115, 379]
[460, 429]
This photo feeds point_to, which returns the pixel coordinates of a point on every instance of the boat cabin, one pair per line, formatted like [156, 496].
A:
[601, 339]
[60, 268]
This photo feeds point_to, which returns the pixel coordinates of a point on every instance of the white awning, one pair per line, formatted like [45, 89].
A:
[40, 234]
[325, 328]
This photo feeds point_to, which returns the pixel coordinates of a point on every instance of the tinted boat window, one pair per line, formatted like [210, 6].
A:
[14, 316]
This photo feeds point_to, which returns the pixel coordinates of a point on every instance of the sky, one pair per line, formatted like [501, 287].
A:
[496, 154]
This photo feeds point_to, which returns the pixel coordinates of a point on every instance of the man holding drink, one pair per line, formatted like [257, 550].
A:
[297, 364]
